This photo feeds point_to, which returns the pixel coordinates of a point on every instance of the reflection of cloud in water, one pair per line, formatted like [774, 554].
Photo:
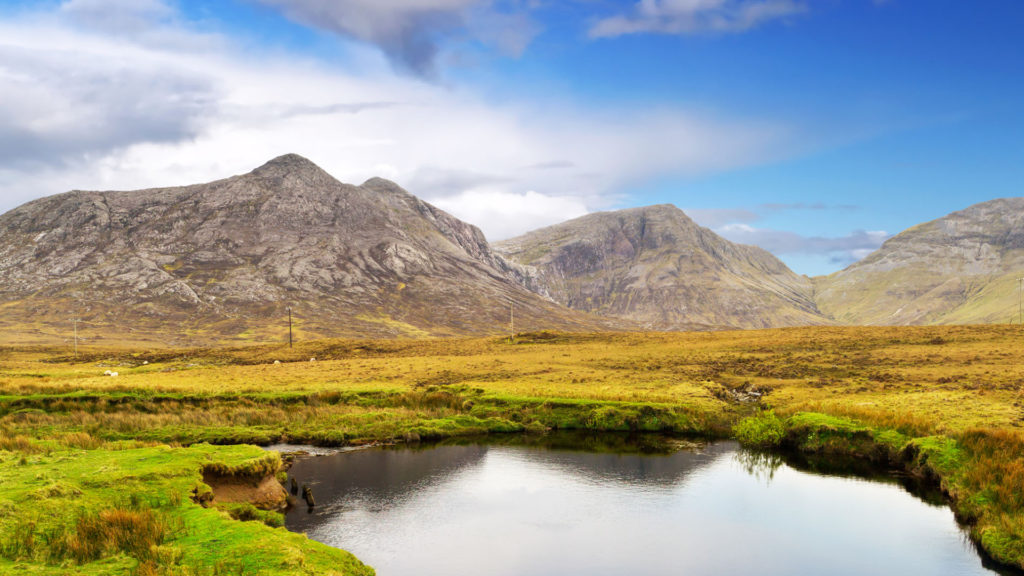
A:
[634, 470]
[540, 511]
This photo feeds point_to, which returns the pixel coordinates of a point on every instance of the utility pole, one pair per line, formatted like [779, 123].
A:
[289, 326]
[75, 322]
[1020, 302]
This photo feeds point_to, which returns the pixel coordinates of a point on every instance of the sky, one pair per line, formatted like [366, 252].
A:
[814, 129]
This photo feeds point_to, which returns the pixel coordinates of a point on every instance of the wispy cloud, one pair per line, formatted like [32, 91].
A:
[737, 225]
[694, 17]
[840, 250]
[715, 217]
[412, 32]
[804, 206]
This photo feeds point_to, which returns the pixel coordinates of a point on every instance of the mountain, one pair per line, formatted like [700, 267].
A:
[959, 269]
[654, 265]
[225, 260]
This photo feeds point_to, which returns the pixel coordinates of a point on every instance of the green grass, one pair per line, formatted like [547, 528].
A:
[128, 509]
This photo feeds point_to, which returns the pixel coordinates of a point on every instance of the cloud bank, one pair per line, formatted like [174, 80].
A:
[737, 225]
[842, 250]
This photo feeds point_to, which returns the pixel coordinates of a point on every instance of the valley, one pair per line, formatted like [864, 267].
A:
[940, 402]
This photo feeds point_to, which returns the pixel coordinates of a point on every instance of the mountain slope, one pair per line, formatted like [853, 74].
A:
[226, 259]
[959, 269]
[656, 266]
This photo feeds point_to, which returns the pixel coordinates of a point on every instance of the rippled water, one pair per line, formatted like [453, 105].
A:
[538, 510]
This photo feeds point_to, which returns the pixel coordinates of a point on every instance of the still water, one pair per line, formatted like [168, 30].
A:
[550, 508]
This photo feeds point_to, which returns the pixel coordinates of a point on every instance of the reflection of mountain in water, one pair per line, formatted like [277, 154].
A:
[389, 476]
[632, 469]
[383, 475]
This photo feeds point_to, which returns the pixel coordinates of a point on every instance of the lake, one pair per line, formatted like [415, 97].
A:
[590, 505]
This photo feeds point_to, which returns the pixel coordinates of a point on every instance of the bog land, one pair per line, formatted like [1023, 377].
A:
[154, 470]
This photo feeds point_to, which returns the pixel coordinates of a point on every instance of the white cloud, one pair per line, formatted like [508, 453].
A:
[694, 16]
[507, 214]
[117, 16]
[87, 107]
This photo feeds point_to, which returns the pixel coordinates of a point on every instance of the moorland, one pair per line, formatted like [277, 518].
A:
[126, 473]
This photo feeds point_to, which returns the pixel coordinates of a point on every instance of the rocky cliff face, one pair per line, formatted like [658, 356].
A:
[226, 259]
[656, 266]
[961, 268]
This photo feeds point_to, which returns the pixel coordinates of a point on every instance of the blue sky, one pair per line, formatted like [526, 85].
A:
[813, 129]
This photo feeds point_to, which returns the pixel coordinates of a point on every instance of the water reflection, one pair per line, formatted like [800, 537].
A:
[760, 465]
[545, 508]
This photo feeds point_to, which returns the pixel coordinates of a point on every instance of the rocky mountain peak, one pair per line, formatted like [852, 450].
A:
[288, 163]
[653, 264]
[290, 172]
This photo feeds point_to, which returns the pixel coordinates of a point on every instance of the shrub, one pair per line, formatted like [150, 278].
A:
[764, 430]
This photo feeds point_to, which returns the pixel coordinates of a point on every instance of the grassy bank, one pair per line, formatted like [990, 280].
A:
[946, 399]
[981, 471]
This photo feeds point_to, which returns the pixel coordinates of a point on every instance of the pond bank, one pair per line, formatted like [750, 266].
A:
[967, 468]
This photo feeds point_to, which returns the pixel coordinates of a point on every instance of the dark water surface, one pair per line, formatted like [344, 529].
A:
[545, 509]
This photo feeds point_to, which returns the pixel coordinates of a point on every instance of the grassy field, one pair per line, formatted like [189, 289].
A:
[85, 456]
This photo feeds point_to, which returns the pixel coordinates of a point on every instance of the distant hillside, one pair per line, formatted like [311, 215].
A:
[959, 269]
[654, 265]
[225, 260]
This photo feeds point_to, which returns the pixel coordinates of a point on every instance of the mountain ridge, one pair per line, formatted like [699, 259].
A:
[961, 268]
[225, 259]
[656, 266]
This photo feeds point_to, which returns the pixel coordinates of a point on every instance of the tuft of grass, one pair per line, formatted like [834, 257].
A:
[136, 533]
[248, 513]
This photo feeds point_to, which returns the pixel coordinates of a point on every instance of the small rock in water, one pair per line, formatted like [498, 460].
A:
[307, 495]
